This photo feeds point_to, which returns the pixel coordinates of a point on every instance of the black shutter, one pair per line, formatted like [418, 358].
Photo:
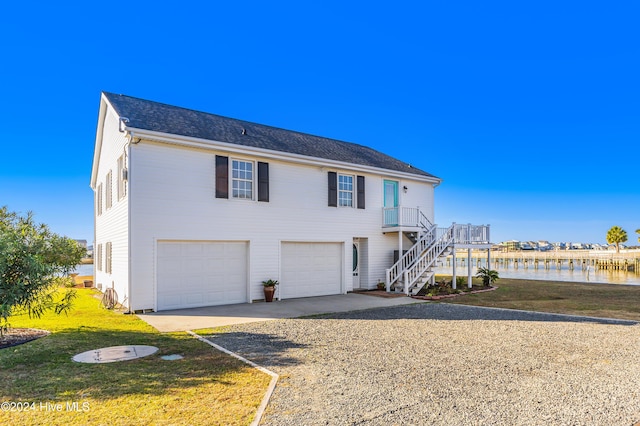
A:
[360, 188]
[222, 177]
[333, 189]
[263, 181]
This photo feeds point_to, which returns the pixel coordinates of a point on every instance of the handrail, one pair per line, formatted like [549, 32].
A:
[404, 216]
[471, 234]
[429, 257]
[429, 247]
[408, 258]
[424, 221]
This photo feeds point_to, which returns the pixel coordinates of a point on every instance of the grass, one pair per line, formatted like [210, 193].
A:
[596, 300]
[205, 387]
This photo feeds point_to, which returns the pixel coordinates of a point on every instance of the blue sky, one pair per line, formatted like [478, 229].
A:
[528, 111]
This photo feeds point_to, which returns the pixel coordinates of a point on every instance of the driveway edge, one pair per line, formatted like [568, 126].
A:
[272, 384]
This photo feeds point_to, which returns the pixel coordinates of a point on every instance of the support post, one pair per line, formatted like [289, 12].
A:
[469, 284]
[488, 258]
[453, 271]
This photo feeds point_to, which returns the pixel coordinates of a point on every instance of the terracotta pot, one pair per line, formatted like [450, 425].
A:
[268, 293]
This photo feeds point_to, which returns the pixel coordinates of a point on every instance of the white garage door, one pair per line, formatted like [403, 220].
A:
[198, 273]
[311, 269]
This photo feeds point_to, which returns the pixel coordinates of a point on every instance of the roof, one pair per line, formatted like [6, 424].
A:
[158, 117]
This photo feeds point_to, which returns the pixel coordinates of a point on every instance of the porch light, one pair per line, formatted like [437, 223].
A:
[404, 188]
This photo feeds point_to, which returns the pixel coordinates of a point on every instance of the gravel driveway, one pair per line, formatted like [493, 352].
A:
[446, 365]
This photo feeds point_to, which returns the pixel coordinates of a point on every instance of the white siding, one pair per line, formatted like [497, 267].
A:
[112, 224]
[173, 198]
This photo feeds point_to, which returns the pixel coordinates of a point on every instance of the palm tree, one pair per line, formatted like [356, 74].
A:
[488, 275]
[638, 232]
[616, 235]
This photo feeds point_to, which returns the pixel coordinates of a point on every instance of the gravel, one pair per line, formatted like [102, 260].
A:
[446, 364]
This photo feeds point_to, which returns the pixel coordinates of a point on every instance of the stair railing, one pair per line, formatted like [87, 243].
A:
[445, 238]
[407, 259]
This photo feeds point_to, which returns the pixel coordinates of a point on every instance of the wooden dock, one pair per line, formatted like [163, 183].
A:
[574, 259]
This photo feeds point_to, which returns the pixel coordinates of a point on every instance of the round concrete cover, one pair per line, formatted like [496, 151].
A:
[115, 353]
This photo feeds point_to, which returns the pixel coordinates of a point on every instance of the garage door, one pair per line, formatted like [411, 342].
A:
[198, 273]
[311, 269]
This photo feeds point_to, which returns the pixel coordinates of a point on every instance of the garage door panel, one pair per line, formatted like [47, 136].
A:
[195, 273]
[311, 269]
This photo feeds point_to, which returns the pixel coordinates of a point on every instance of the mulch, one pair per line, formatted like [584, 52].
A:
[381, 293]
[18, 336]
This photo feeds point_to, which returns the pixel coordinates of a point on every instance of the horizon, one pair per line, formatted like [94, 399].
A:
[528, 114]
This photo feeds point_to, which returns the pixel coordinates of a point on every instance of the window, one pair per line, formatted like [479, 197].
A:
[122, 177]
[108, 260]
[345, 191]
[242, 179]
[108, 191]
[98, 259]
[99, 200]
[343, 188]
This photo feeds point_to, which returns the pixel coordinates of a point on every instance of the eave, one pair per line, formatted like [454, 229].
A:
[187, 141]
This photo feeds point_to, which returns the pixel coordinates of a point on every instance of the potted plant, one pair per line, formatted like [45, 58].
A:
[269, 289]
[381, 285]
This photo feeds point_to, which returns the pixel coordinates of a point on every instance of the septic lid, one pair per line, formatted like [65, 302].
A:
[115, 353]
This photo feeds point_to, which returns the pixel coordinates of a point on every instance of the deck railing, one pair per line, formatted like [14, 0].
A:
[471, 234]
[405, 216]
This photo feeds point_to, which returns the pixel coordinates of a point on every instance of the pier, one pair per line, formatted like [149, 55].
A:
[573, 259]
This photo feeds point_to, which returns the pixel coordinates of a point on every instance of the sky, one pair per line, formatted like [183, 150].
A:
[528, 111]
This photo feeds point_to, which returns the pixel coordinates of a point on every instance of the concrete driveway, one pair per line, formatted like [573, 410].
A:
[216, 316]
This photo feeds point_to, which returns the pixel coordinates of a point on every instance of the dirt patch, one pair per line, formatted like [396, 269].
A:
[381, 293]
[18, 336]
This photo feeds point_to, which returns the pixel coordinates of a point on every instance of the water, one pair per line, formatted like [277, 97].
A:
[83, 270]
[563, 274]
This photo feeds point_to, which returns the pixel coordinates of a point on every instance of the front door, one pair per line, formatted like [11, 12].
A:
[356, 264]
[390, 203]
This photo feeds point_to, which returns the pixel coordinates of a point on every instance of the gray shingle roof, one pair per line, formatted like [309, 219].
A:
[158, 117]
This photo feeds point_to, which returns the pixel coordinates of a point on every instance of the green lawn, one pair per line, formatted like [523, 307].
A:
[205, 387]
[597, 300]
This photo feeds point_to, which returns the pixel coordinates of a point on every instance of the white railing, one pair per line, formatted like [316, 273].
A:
[429, 247]
[404, 216]
[407, 259]
[471, 234]
[429, 257]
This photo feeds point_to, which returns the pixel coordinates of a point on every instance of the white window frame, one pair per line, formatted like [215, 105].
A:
[346, 190]
[239, 176]
[108, 191]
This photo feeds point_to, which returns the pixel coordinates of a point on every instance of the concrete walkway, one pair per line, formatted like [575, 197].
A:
[216, 316]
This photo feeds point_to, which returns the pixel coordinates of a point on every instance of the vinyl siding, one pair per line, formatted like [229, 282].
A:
[112, 224]
[173, 193]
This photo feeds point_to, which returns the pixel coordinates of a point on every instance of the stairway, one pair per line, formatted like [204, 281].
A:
[416, 267]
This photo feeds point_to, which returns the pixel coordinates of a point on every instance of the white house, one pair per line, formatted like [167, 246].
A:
[194, 209]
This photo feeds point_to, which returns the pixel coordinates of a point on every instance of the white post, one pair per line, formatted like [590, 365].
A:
[469, 284]
[453, 274]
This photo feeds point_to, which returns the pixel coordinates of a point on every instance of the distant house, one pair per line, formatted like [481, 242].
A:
[195, 209]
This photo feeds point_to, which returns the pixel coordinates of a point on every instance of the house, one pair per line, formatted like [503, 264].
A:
[195, 209]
